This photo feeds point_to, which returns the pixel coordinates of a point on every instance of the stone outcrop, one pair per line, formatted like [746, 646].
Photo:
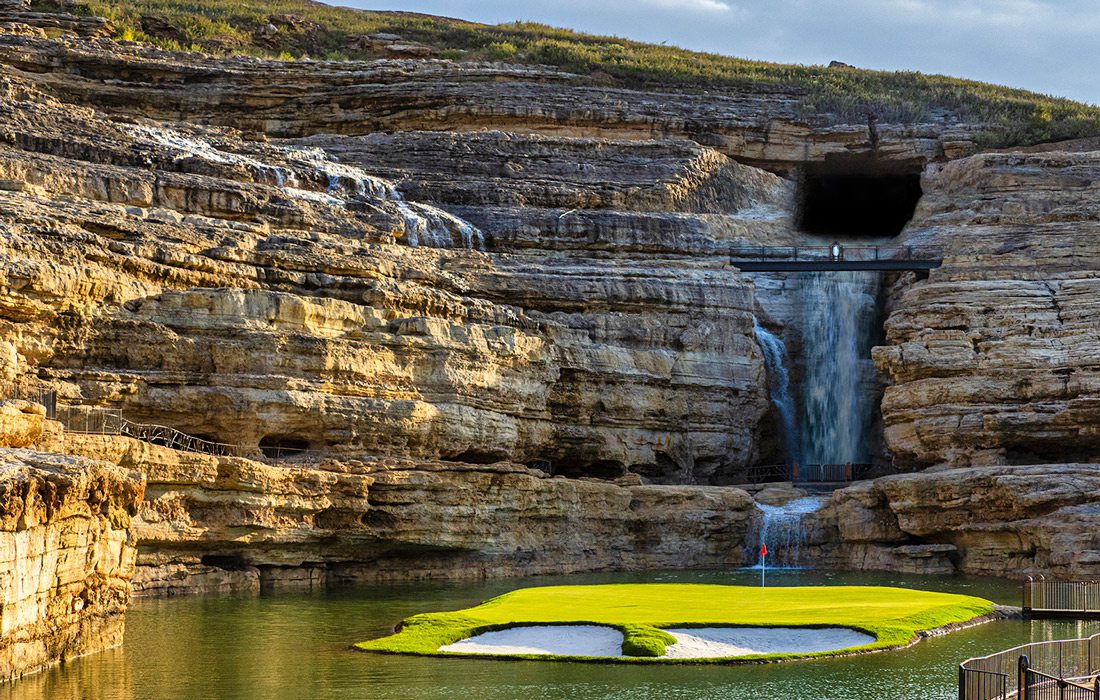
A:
[156, 269]
[21, 423]
[992, 359]
[223, 523]
[68, 557]
[1000, 521]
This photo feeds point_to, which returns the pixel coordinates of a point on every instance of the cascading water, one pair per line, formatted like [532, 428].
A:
[838, 384]
[425, 225]
[782, 529]
[779, 383]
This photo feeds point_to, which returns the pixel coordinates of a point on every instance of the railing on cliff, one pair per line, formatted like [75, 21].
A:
[90, 420]
[1065, 669]
[97, 420]
[1043, 598]
[835, 258]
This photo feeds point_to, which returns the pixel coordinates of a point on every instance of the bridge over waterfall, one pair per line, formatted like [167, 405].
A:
[835, 258]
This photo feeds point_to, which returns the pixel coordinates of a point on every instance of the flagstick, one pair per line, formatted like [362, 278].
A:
[762, 558]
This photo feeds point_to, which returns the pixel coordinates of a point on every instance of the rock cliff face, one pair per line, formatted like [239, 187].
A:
[67, 557]
[159, 269]
[990, 520]
[448, 284]
[224, 523]
[992, 359]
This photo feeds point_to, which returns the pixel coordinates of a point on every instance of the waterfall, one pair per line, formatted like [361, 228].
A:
[425, 225]
[838, 385]
[779, 384]
[782, 529]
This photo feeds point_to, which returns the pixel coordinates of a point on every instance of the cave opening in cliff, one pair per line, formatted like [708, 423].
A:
[597, 469]
[858, 197]
[279, 446]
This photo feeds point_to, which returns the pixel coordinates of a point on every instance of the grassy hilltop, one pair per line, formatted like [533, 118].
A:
[311, 29]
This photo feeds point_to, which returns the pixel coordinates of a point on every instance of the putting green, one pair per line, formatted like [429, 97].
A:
[893, 616]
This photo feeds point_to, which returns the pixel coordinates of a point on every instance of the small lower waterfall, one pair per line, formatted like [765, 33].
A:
[838, 384]
[782, 529]
[779, 383]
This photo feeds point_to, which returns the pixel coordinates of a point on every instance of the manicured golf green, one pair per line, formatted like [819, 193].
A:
[893, 616]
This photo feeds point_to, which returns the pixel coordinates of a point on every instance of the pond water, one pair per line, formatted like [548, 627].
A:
[296, 646]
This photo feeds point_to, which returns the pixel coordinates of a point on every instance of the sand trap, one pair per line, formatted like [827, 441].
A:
[692, 643]
[713, 642]
[560, 640]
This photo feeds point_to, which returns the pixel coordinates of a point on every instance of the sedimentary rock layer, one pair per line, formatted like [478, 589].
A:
[223, 523]
[1005, 521]
[66, 557]
[244, 292]
[993, 358]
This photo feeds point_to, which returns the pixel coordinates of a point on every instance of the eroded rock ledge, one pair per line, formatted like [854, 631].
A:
[223, 523]
[66, 557]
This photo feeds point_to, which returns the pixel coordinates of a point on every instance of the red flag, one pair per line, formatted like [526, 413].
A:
[763, 550]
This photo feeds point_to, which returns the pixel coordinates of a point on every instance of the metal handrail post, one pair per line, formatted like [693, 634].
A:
[1021, 682]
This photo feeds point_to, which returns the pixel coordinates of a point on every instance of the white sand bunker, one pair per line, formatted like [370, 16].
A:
[691, 643]
[560, 640]
[715, 642]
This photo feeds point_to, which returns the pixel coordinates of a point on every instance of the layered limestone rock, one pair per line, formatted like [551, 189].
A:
[992, 359]
[21, 423]
[300, 98]
[1005, 521]
[225, 523]
[245, 292]
[68, 557]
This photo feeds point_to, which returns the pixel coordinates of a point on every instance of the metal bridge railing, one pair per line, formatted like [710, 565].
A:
[1069, 666]
[807, 473]
[1043, 597]
[840, 253]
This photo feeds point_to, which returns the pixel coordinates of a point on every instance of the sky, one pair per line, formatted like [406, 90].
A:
[1049, 46]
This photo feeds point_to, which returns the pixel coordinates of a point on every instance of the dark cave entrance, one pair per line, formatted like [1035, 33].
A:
[858, 196]
[281, 446]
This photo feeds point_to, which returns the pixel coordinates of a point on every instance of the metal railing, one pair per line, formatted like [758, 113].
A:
[38, 395]
[1043, 597]
[824, 473]
[807, 473]
[826, 253]
[97, 420]
[1074, 663]
[94, 420]
[1042, 686]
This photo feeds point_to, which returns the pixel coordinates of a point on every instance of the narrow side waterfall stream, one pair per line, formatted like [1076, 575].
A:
[779, 385]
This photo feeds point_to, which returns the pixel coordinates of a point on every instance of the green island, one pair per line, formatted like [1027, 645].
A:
[641, 612]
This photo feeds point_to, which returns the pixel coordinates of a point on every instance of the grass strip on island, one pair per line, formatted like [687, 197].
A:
[642, 613]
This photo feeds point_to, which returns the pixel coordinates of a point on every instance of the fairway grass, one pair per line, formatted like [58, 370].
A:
[893, 616]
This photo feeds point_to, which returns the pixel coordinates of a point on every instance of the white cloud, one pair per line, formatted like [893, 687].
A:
[691, 5]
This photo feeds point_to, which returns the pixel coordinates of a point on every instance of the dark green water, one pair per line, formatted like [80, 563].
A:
[296, 646]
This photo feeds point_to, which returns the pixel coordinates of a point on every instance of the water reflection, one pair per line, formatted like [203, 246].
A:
[296, 646]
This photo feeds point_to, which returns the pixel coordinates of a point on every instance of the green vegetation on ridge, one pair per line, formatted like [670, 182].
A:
[640, 611]
[1013, 117]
